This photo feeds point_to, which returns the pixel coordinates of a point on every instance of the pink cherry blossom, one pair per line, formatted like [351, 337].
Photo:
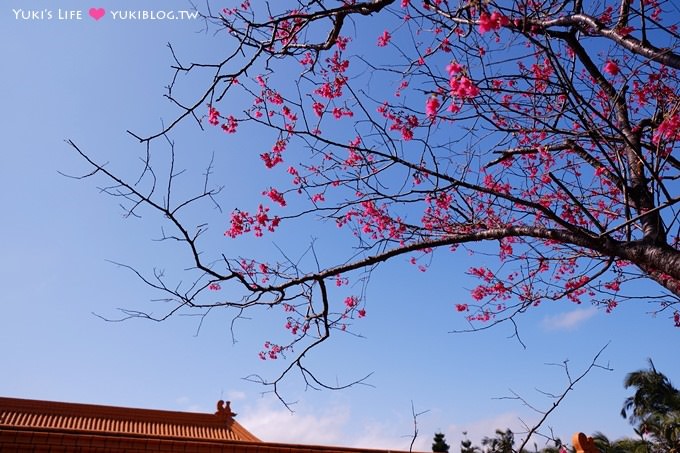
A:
[384, 39]
[432, 106]
[213, 116]
[491, 22]
[275, 196]
[463, 88]
[453, 68]
[611, 67]
[230, 125]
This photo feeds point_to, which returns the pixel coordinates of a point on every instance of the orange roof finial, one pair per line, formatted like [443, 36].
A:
[584, 444]
[224, 409]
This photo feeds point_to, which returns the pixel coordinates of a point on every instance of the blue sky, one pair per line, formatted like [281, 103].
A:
[90, 81]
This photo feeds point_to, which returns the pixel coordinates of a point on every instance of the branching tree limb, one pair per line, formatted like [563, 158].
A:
[548, 128]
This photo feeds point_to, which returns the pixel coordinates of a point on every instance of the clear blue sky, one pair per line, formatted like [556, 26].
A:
[89, 81]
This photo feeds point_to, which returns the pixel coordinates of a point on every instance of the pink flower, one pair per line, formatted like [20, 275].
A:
[339, 113]
[611, 305]
[432, 106]
[307, 60]
[275, 196]
[213, 116]
[361, 313]
[611, 67]
[625, 31]
[351, 301]
[453, 68]
[463, 88]
[271, 159]
[288, 113]
[613, 285]
[318, 108]
[669, 129]
[341, 42]
[329, 91]
[461, 307]
[491, 22]
[384, 39]
[275, 98]
[606, 16]
[230, 125]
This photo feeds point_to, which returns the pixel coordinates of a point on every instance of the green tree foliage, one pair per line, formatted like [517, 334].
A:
[439, 444]
[654, 411]
[467, 447]
[623, 445]
[654, 408]
[502, 442]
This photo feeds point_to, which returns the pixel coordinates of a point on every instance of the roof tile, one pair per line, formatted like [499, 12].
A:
[48, 415]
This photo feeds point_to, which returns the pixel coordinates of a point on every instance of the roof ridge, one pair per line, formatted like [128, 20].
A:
[94, 418]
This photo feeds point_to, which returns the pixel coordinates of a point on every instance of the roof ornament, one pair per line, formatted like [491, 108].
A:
[584, 444]
[224, 409]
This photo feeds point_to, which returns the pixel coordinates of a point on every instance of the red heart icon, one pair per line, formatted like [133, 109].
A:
[97, 13]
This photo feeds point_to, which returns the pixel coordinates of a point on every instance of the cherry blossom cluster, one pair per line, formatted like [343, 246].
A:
[229, 126]
[242, 222]
[475, 141]
[401, 122]
[492, 22]
[272, 351]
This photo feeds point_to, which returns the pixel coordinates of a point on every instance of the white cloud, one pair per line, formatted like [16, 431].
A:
[335, 426]
[236, 396]
[331, 426]
[187, 405]
[486, 427]
[569, 320]
[388, 436]
[183, 400]
[276, 424]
